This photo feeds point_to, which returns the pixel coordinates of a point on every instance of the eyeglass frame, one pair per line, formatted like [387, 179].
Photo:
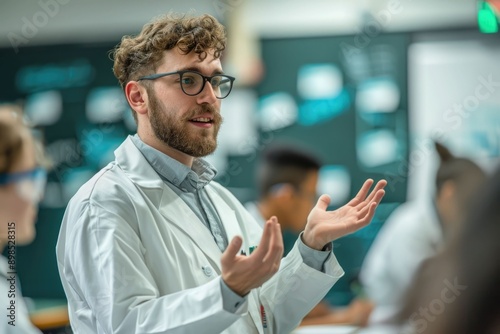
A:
[8, 178]
[181, 73]
[36, 174]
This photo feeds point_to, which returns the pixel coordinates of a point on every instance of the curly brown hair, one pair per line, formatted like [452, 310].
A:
[139, 55]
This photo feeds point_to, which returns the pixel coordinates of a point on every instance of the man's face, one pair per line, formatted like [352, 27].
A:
[304, 199]
[188, 124]
[13, 206]
[297, 207]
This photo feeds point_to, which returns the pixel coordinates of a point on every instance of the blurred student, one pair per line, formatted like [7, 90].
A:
[416, 232]
[21, 187]
[287, 179]
[457, 292]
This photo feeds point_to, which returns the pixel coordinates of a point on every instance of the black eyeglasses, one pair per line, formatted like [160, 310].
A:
[192, 83]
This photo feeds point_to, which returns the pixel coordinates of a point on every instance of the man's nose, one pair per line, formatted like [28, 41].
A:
[207, 95]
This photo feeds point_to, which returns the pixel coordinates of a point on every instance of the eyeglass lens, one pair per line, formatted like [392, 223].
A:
[192, 83]
[32, 189]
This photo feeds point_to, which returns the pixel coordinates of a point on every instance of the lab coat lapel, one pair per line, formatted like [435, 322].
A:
[137, 168]
[227, 216]
[178, 213]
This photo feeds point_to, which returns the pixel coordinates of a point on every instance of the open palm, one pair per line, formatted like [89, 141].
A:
[325, 226]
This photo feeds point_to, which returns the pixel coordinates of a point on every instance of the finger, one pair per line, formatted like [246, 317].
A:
[380, 185]
[281, 243]
[275, 252]
[369, 216]
[323, 202]
[360, 196]
[232, 249]
[377, 199]
[276, 249]
[354, 226]
[379, 195]
[263, 247]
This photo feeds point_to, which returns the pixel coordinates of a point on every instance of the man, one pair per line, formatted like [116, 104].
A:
[152, 245]
[415, 232]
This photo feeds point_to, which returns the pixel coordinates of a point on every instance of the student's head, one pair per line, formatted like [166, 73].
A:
[180, 110]
[456, 181]
[287, 178]
[459, 288]
[21, 180]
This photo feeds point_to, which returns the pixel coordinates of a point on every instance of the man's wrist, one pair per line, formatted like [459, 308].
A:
[231, 300]
[311, 244]
[312, 257]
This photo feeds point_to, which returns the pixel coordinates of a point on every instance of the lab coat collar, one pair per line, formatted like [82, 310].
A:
[132, 162]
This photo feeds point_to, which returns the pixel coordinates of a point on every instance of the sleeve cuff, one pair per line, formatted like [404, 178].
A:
[231, 301]
[314, 258]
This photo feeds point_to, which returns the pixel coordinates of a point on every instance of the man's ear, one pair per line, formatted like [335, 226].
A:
[137, 97]
[445, 198]
[447, 192]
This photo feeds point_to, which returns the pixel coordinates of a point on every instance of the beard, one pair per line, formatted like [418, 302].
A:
[177, 132]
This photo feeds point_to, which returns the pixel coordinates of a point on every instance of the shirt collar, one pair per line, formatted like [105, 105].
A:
[174, 172]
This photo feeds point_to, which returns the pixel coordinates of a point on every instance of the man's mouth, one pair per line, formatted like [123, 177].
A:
[205, 122]
[202, 120]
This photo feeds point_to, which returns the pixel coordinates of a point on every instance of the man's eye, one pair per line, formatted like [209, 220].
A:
[187, 81]
[216, 81]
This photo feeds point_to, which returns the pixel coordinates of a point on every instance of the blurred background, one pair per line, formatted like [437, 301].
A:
[365, 85]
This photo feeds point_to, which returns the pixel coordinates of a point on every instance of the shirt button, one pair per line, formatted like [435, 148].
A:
[207, 271]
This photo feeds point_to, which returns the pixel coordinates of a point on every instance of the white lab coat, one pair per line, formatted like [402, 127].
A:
[411, 235]
[133, 258]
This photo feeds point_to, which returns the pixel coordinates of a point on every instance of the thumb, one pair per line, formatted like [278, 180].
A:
[323, 202]
[233, 248]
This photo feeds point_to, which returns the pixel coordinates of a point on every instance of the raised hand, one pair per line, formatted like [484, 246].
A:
[244, 273]
[325, 226]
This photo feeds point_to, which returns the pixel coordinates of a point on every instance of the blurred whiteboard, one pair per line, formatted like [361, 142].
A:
[454, 96]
